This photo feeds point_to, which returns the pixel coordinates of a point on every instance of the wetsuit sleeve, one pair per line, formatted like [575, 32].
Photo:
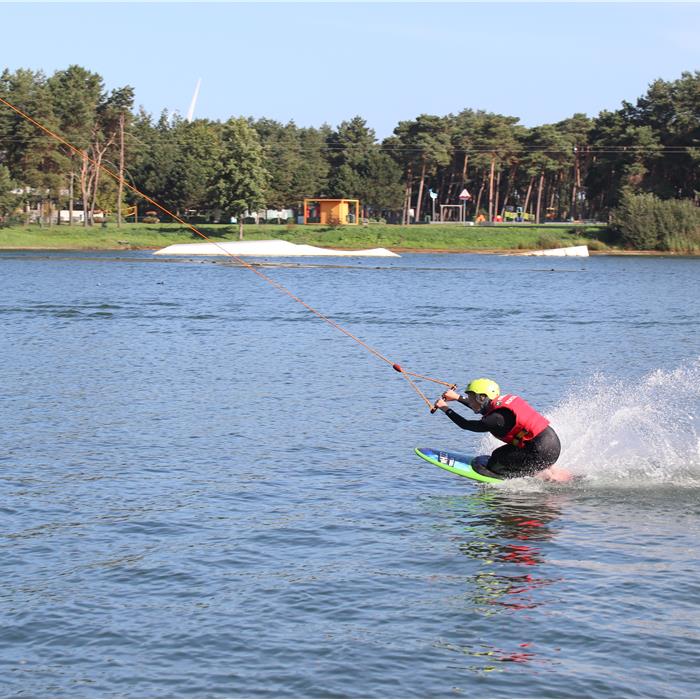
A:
[493, 423]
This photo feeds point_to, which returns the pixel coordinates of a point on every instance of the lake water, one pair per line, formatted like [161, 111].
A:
[209, 492]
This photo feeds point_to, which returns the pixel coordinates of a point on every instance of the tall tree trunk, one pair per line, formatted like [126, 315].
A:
[445, 191]
[497, 196]
[98, 152]
[95, 185]
[240, 227]
[70, 197]
[528, 194]
[59, 204]
[120, 191]
[478, 198]
[461, 183]
[404, 211]
[407, 197]
[572, 201]
[553, 193]
[85, 188]
[539, 198]
[574, 189]
[509, 187]
[493, 167]
[420, 192]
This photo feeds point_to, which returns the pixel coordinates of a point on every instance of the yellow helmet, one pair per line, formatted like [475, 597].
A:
[484, 386]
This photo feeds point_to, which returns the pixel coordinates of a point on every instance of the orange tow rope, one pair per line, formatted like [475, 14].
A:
[405, 374]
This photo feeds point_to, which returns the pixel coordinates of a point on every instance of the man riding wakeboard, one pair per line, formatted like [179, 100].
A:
[531, 446]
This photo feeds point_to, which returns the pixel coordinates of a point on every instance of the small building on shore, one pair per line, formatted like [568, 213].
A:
[332, 211]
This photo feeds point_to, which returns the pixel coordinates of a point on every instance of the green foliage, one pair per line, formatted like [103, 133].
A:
[359, 170]
[380, 186]
[155, 155]
[649, 146]
[9, 202]
[31, 156]
[574, 170]
[295, 160]
[645, 222]
[593, 244]
[193, 170]
[158, 235]
[550, 241]
[242, 177]
[76, 95]
[423, 144]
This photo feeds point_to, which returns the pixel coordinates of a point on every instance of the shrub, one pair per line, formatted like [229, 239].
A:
[681, 226]
[333, 224]
[548, 241]
[594, 244]
[645, 222]
[8, 202]
[633, 221]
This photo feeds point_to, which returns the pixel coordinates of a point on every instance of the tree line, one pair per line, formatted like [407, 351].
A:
[579, 168]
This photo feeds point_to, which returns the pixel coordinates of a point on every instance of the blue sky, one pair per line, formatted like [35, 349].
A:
[326, 62]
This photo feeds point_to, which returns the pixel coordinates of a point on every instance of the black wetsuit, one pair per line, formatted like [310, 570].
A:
[508, 461]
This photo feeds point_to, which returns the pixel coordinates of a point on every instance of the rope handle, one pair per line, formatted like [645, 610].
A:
[434, 406]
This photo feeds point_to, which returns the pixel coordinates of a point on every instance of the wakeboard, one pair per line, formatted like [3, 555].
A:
[455, 463]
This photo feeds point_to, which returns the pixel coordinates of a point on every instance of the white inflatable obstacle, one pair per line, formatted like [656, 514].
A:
[580, 251]
[269, 248]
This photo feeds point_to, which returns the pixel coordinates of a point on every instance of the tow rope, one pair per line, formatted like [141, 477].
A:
[408, 376]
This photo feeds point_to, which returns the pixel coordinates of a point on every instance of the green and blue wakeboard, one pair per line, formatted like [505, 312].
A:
[455, 463]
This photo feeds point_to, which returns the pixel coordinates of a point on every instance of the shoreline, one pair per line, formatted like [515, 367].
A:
[399, 250]
[501, 239]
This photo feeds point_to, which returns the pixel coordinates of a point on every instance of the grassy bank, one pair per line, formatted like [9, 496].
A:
[417, 237]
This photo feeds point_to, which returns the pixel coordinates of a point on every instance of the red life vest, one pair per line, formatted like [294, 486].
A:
[528, 422]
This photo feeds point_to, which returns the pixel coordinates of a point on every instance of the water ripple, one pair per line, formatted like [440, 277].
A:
[205, 493]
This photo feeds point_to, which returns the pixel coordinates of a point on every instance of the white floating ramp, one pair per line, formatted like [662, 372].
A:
[269, 248]
[580, 251]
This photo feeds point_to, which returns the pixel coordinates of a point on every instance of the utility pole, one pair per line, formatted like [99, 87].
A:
[493, 166]
[70, 195]
[121, 170]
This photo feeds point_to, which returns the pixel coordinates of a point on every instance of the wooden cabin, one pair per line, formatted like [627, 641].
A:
[332, 211]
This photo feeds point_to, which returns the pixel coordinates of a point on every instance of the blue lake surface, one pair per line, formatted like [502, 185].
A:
[206, 491]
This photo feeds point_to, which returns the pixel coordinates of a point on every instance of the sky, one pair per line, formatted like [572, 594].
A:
[326, 62]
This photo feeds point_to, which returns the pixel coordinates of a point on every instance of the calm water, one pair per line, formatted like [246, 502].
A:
[206, 491]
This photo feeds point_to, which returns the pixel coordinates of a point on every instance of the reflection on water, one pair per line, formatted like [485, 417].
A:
[488, 658]
[505, 529]
[502, 534]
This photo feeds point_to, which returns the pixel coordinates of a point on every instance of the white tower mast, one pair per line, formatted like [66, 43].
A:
[190, 111]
